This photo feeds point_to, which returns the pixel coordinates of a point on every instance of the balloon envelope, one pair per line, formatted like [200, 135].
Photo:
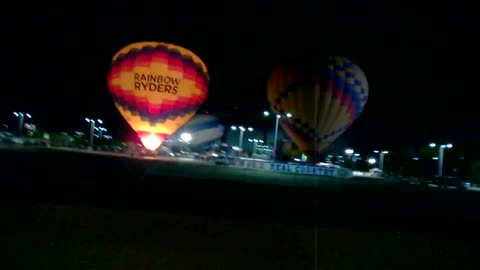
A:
[324, 100]
[203, 129]
[157, 87]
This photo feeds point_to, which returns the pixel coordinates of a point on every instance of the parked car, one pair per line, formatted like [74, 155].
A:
[449, 181]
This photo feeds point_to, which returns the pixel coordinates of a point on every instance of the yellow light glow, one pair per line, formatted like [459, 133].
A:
[151, 141]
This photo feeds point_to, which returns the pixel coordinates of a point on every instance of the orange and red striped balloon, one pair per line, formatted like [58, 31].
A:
[157, 87]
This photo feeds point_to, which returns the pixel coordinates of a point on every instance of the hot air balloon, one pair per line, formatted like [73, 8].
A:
[290, 150]
[204, 130]
[157, 87]
[324, 100]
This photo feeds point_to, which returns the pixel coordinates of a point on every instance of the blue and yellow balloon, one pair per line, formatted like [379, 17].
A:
[324, 99]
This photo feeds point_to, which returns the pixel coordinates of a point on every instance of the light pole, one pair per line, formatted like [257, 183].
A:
[275, 138]
[255, 144]
[100, 131]
[355, 158]
[440, 155]
[381, 158]
[349, 153]
[92, 128]
[21, 119]
[240, 136]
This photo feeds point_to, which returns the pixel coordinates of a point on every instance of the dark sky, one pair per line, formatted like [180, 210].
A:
[421, 60]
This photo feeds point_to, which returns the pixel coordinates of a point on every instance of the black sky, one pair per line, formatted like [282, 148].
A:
[421, 60]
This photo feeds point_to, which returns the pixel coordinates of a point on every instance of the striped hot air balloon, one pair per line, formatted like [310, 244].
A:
[324, 100]
[157, 87]
[204, 130]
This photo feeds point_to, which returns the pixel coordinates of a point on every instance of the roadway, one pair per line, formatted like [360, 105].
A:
[72, 210]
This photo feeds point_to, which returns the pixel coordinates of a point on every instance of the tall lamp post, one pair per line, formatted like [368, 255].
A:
[240, 136]
[100, 131]
[381, 158]
[255, 144]
[277, 121]
[92, 129]
[21, 118]
[441, 149]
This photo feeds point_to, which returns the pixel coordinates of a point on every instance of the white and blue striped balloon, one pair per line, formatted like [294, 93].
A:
[205, 130]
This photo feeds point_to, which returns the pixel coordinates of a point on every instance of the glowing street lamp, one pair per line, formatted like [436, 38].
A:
[381, 155]
[92, 128]
[240, 136]
[277, 120]
[100, 131]
[440, 155]
[21, 118]
[255, 143]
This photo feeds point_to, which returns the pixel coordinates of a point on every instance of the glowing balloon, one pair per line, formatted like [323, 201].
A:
[204, 130]
[157, 87]
[323, 99]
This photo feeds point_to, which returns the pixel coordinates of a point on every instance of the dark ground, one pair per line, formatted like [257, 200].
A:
[77, 211]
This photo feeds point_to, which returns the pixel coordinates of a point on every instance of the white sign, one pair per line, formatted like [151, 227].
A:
[293, 168]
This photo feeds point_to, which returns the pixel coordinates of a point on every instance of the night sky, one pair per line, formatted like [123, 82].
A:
[421, 61]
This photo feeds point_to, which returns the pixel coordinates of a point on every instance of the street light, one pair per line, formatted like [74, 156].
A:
[349, 151]
[440, 155]
[92, 128]
[277, 120]
[21, 118]
[381, 157]
[100, 131]
[372, 161]
[240, 137]
[255, 144]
